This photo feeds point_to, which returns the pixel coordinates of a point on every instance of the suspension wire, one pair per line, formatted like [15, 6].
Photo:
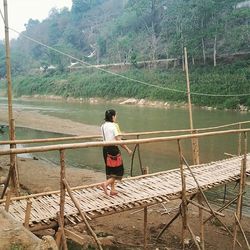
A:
[119, 75]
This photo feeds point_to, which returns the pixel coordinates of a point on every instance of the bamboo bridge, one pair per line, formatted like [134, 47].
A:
[70, 206]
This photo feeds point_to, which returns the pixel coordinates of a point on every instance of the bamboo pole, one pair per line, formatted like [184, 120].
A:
[145, 171]
[132, 160]
[242, 231]
[139, 156]
[204, 208]
[82, 214]
[145, 227]
[14, 179]
[183, 196]
[195, 147]
[27, 214]
[61, 225]
[239, 141]
[7, 203]
[58, 237]
[193, 236]
[62, 187]
[222, 208]
[205, 198]
[201, 216]
[241, 189]
[73, 138]
[173, 219]
[101, 144]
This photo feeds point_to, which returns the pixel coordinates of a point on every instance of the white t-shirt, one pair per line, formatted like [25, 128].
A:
[109, 131]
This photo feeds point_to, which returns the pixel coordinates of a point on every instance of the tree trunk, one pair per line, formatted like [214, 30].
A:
[215, 51]
[203, 51]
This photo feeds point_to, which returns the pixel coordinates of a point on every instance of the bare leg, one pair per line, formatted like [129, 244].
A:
[113, 191]
[104, 185]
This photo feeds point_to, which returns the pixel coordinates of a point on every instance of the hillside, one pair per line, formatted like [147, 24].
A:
[108, 31]
[216, 34]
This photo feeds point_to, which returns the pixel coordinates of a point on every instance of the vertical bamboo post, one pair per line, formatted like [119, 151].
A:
[139, 155]
[145, 171]
[27, 214]
[195, 147]
[13, 166]
[7, 202]
[145, 227]
[61, 226]
[62, 187]
[184, 198]
[195, 142]
[241, 189]
[239, 141]
[201, 223]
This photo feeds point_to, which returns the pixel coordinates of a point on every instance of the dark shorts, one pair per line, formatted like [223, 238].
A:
[112, 172]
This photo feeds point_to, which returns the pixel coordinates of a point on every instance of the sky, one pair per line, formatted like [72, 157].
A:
[20, 11]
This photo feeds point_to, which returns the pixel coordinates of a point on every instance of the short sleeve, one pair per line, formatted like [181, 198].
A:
[117, 129]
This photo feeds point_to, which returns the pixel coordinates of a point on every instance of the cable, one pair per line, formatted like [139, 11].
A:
[125, 77]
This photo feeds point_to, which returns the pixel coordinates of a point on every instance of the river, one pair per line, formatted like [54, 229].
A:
[157, 156]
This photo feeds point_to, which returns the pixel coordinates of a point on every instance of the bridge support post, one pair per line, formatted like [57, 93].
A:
[62, 199]
[145, 171]
[238, 214]
[183, 197]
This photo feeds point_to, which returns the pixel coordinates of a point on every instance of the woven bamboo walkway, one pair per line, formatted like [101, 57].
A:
[134, 193]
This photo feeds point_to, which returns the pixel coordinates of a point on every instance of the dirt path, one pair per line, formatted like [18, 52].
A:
[35, 120]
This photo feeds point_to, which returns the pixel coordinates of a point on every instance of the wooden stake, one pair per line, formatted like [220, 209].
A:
[82, 214]
[27, 214]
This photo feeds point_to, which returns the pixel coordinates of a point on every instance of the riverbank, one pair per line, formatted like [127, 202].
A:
[38, 121]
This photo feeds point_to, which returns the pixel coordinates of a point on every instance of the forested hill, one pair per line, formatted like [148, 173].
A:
[107, 31]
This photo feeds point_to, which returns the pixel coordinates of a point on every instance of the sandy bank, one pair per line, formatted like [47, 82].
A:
[35, 120]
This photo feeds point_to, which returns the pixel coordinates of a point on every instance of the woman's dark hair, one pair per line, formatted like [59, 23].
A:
[109, 114]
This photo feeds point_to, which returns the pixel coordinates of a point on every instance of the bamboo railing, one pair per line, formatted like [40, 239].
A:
[134, 134]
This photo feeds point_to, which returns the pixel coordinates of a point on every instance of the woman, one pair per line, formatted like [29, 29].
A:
[111, 154]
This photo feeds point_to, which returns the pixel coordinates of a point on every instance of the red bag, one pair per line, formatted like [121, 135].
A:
[114, 161]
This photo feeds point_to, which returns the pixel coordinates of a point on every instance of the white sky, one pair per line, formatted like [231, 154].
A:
[20, 11]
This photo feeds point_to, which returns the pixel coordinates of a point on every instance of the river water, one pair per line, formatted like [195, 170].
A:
[156, 156]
